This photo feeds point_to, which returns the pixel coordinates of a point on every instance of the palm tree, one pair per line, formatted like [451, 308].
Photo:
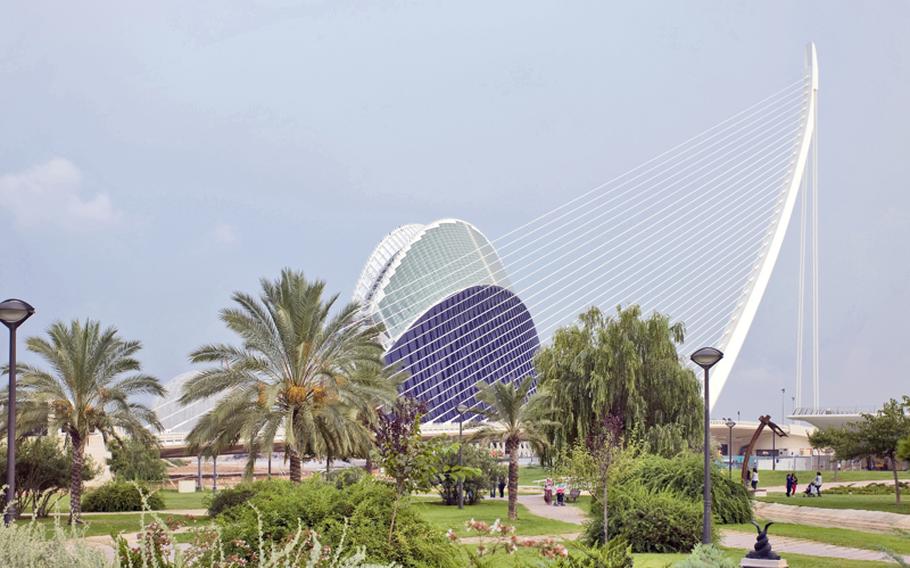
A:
[90, 388]
[299, 370]
[509, 406]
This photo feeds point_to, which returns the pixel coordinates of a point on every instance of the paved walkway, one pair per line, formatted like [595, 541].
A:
[857, 519]
[745, 541]
[802, 486]
[567, 514]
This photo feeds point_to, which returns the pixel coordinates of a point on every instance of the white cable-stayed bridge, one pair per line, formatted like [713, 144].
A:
[694, 233]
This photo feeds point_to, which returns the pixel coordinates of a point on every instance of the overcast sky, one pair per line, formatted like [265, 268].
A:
[156, 156]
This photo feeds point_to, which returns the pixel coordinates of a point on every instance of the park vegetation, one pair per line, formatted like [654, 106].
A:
[43, 468]
[299, 368]
[877, 435]
[608, 383]
[92, 386]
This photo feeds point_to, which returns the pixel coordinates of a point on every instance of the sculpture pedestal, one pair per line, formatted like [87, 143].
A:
[758, 563]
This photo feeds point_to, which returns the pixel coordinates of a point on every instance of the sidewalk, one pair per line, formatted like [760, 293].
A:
[875, 521]
[829, 484]
[746, 541]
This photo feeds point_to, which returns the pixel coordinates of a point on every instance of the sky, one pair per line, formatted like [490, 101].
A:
[155, 157]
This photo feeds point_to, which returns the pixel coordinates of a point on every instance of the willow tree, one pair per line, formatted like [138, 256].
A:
[623, 370]
[92, 386]
[300, 370]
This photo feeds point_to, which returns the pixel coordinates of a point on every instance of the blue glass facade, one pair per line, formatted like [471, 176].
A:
[479, 333]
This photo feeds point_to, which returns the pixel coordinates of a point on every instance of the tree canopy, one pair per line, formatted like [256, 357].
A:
[876, 435]
[302, 367]
[622, 367]
[92, 385]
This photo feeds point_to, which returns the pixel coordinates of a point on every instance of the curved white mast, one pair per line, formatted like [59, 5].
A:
[732, 341]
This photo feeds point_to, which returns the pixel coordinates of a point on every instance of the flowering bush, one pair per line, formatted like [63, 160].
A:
[501, 538]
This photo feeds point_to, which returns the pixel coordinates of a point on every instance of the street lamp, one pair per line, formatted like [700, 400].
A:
[462, 410]
[12, 313]
[730, 423]
[707, 357]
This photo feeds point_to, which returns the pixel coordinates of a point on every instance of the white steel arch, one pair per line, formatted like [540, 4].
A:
[740, 322]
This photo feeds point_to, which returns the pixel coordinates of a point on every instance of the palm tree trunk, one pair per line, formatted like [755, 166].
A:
[512, 446]
[294, 460]
[897, 485]
[76, 478]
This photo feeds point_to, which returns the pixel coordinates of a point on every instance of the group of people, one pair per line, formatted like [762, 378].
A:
[501, 484]
[814, 489]
[560, 487]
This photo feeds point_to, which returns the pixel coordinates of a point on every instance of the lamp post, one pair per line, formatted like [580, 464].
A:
[783, 416]
[12, 313]
[730, 424]
[707, 357]
[462, 409]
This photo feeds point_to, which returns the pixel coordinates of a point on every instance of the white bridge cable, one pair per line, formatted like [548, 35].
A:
[614, 238]
[539, 323]
[744, 250]
[586, 206]
[534, 295]
[542, 322]
[575, 228]
[781, 125]
[747, 245]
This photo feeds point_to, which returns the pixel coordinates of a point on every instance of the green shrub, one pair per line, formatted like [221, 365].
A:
[706, 557]
[344, 477]
[26, 545]
[684, 475]
[650, 521]
[870, 489]
[656, 502]
[367, 506]
[116, 496]
[227, 498]
[480, 470]
[617, 554]
[136, 460]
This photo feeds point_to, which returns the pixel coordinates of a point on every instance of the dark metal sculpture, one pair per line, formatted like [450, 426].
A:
[762, 422]
[762, 549]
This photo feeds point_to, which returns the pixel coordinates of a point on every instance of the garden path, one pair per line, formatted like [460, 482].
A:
[536, 506]
[830, 484]
[876, 521]
[745, 541]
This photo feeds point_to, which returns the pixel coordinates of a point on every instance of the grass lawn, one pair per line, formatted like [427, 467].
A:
[450, 517]
[869, 502]
[529, 557]
[172, 500]
[795, 560]
[779, 477]
[531, 474]
[175, 500]
[841, 537]
[106, 524]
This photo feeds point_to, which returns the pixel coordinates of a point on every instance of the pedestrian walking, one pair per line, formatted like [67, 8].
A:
[502, 487]
[754, 479]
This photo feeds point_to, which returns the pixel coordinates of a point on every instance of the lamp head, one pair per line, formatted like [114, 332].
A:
[730, 423]
[462, 408]
[13, 312]
[707, 357]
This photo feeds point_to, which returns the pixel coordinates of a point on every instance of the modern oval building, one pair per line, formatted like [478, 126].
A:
[450, 315]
